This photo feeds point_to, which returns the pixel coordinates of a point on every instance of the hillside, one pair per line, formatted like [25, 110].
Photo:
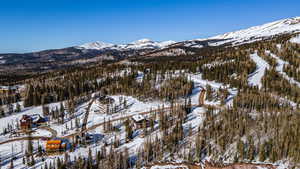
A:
[22, 66]
[229, 101]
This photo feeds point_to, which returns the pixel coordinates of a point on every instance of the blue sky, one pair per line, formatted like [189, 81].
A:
[31, 25]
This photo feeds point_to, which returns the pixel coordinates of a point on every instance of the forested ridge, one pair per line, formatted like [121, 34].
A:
[261, 125]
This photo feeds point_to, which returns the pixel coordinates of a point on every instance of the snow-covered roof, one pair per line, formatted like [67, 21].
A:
[35, 117]
[138, 118]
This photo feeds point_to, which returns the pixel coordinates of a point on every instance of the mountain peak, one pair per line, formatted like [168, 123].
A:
[269, 29]
[136, 45]
[96, 45]
[142, 41]
[292, 21]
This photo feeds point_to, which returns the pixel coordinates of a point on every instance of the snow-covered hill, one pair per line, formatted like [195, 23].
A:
[136, 45]
[289, 25]
[94, 52]
[252, 34]
[97, 45]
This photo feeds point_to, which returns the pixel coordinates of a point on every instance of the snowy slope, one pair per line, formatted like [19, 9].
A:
[279, 69]
[147, 44]
[136, 45]
[97, 45]
[290, 25]
[201, 83]
[295, 39]
[256, 33]
[261, 66]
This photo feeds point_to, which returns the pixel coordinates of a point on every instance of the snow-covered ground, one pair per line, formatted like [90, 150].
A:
[279, 69]
[295, 39]
[217, 63]
[96, 117]
[194, 120]
[200, 84]
[266, 30]
[14, 118]
[252, 34]
[16, 150]
[261, 66]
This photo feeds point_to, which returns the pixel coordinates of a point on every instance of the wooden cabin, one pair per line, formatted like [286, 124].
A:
[29, 121]
[56, 145]
[26, 122]
[139, 121]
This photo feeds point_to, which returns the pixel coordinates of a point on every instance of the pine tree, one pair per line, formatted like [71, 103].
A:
[129, 131]
[90, 158]
[251, 149]
[18, 107]
[11, 164]
[189, 106]
[40, 151]
[62, 113]
[32, 161]
[45, 165]
[262, 156]
[45, 111]
[2, 113]
[28, 100]
[58, 163]
[240, 148]
[29, 144]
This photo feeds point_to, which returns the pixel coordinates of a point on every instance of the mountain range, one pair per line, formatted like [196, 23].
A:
[98, 52]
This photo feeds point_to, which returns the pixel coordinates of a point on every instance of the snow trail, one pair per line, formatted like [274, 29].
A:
[201, 83]
[279, 69]
[261, 66]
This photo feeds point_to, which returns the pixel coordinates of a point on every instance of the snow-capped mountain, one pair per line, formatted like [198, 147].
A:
[290, 25]
[96, 52]
[96, 45]
[136, 45]
[148, 44]
[252, 34]
[274, 28]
